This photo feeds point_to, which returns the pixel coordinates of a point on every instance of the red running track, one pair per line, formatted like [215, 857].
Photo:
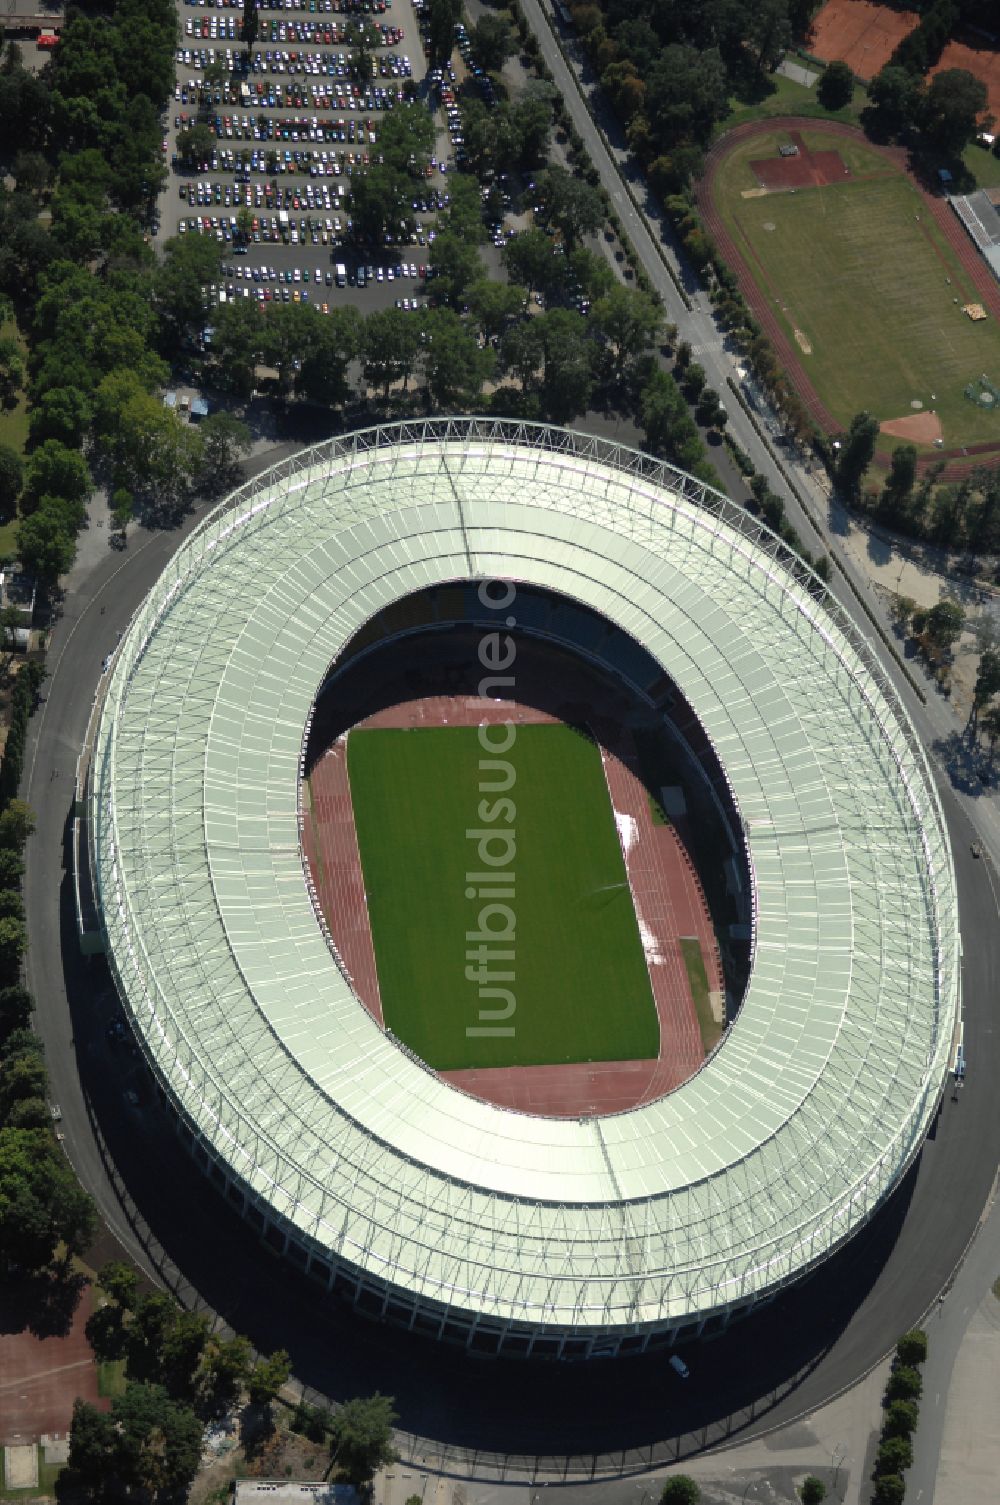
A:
[987, 288]
[666, 891]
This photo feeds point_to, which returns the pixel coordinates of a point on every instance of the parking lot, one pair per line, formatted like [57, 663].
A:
[291, 131]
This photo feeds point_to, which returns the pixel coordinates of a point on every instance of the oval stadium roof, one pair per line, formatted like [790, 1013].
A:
[824, 1087]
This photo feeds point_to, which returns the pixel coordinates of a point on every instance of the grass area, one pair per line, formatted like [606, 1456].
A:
[786, 97]
[983, 166]
[863, 273]
[657, 814]
[14, 421]
[694, 965]
[48, 1473]
[111, 1377]
[580, 978]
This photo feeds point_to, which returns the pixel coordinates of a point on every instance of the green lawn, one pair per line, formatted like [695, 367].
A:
[580, 979]
[863, 273]
[789, 98]
[694, 966]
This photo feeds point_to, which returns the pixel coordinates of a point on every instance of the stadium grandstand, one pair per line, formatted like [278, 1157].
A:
[979, 212]
[508, 1232]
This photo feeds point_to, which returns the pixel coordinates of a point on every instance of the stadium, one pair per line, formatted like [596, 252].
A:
[516, 1232]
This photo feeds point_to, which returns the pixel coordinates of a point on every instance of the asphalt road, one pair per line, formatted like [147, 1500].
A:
[812, 1342]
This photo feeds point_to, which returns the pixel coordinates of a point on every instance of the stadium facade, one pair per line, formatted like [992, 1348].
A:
[504, 1231]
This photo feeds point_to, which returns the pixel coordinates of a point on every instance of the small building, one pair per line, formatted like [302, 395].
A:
[170, 400]
[293, 1492]
[17, 595]
[199, 409]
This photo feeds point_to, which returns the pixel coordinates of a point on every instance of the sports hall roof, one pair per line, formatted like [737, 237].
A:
[822, 1092]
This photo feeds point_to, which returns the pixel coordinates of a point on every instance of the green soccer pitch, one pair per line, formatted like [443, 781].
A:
[580, 982]
[863, 273]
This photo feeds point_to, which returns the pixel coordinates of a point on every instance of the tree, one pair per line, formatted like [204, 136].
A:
[569, 203]
[527, 258]
[856, 453]
[836, 86]
[686, 93]
[990, 724]
[55, 470]
[190, 263]
[107, 1333]
[492, 42]
[943, 624]
[522, 351]
[362, 1437]
[183, 1345]
[591, 271]
[912, 1346]
[11, 371]
[898, 489]
[225, 440]
[406, 138]
[456, 266]
[153, 1318]
[16, 1005]
[270, 1372]
[237, 345]
[45, 545]
[890, 1489]
[895, 100]
[495, 305]
[455, 367]
[666, 422]
[630, 322]
[442, 17]
[323, 376]
[813, 1490]
[61, 413]
[953, 103]
[225, 1369]
[157, 1443]
[987, 685]
[894, 1455]
[904, 1384]
[194, 146]
[251, 24]
[11, 481]
[91, 1443]
[390, 343]
[901, 1418]
[17, 823]
[41, 1202]
[122, 508]
[289, 330]
[22, 1076]
[681, 1489]
[567, 376]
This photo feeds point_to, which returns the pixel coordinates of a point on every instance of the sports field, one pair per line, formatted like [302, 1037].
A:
[581, 983]
[864, 284]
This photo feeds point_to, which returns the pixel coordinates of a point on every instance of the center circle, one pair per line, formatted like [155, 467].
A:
[534, 879]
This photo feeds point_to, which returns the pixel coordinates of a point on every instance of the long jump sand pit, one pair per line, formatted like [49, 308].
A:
[860, 34]
[917, 428]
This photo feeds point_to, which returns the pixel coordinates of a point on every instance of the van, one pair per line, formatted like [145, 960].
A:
[340, 272]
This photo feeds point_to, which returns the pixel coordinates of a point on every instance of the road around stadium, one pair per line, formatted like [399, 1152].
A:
[494, 1420]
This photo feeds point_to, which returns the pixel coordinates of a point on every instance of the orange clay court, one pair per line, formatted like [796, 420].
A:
[862, 35]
